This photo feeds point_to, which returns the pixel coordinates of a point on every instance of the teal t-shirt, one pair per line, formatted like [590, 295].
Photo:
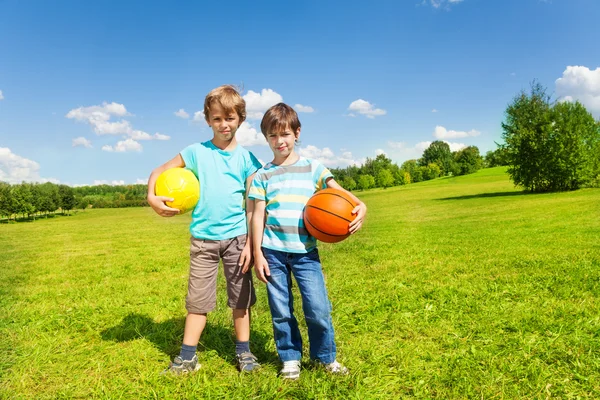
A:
[220, 213]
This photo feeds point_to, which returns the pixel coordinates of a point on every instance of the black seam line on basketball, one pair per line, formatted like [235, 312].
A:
[329, 212]
[324, 233]
[337, 195]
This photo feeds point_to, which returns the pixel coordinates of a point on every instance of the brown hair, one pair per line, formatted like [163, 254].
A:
[278, 118]
[228, 97]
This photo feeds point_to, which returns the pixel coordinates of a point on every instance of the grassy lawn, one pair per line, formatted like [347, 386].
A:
[455, 288]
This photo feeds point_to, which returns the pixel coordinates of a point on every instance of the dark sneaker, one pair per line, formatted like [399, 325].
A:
[246, 362]
[180, 366]
[290, 370]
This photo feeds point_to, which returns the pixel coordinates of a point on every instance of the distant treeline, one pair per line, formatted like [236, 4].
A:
[31, 200]
[437, 160]
[38, 199]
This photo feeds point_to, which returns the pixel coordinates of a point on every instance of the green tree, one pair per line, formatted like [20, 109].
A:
[550, 147]
[495, 158]
[526, 131]
[385, 179]
[348, 183]
[5, 199]
[365, 182]
[412, 167]
[23, 199]
[67, 198]
[468, 160]
[574, 142]
[439, 153]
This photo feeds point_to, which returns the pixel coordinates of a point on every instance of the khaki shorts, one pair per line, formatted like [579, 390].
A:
[204, 264]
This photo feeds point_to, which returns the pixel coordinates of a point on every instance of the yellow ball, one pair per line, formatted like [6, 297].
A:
[180, 184]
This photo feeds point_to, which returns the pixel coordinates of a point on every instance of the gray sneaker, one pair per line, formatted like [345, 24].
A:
[246, 362]
[180, 366]
[290, 370]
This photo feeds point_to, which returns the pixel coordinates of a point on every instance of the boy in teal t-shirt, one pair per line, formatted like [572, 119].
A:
[219, 227]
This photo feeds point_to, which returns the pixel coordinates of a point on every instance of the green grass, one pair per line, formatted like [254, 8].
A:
[455, 288]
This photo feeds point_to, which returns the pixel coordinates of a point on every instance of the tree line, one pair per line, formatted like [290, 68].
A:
[437, 160]
[31, 200]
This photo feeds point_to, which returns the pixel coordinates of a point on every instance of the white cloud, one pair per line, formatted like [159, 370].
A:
[365, 108]
[124, 146]
[421, 146]
[380, 151]
[181, 114]
[199, 116]
[247, 135]
[304, 109]
[105, 182]
[16, 169]
[580, 83]
[83, 142]
[434, 110]
[258, 103]
[139, 181]
[1, 95]
[442, 133]
[99, 118]
[160, 136]
[326, 157]
[441, 3]
[400, 151]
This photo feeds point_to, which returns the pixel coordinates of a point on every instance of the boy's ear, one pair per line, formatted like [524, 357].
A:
[298, 133]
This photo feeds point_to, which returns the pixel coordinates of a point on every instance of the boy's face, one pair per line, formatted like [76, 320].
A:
[223, 124]
[282, 143]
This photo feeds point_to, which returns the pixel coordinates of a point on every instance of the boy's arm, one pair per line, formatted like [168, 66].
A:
[158, 202]
[246, 256]
[261, 267]
[360, 210]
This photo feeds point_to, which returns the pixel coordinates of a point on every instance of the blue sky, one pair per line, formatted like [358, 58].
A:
[91, 92]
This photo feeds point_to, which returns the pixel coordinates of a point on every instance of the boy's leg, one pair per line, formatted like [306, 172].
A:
[241, 296]
[201, 298]
[281, 303]
[317, 308]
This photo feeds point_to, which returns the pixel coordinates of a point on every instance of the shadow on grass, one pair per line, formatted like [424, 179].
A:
[484, 195]
[168, 335]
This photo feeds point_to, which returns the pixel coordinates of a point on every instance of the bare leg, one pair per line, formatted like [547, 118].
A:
[241, 323]
[194, 325]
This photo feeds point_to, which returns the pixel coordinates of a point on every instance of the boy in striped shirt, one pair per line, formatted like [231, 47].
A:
[283, 247]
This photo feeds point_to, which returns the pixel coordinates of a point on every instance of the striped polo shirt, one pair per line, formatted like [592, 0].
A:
[286, 189]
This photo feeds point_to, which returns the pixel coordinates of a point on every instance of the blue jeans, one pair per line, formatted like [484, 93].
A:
[308, 274]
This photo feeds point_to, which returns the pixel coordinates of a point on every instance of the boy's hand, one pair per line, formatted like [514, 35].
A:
[246, 258]
[261, 268]
[360, 211]
[158, 205]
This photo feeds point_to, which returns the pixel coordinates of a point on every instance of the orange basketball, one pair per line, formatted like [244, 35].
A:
[327, 215]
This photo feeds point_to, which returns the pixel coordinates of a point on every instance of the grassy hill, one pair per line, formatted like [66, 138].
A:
[455, 288]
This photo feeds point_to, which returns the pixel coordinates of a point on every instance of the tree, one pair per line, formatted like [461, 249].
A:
[495, 158]
[549, 147]
[348, 183]
[574, 143]
[439, 153]
[23, 199]
[411, 167]
[385, 179]
[365, 182]
[5, 199]
[67, 197]
[468, 160]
